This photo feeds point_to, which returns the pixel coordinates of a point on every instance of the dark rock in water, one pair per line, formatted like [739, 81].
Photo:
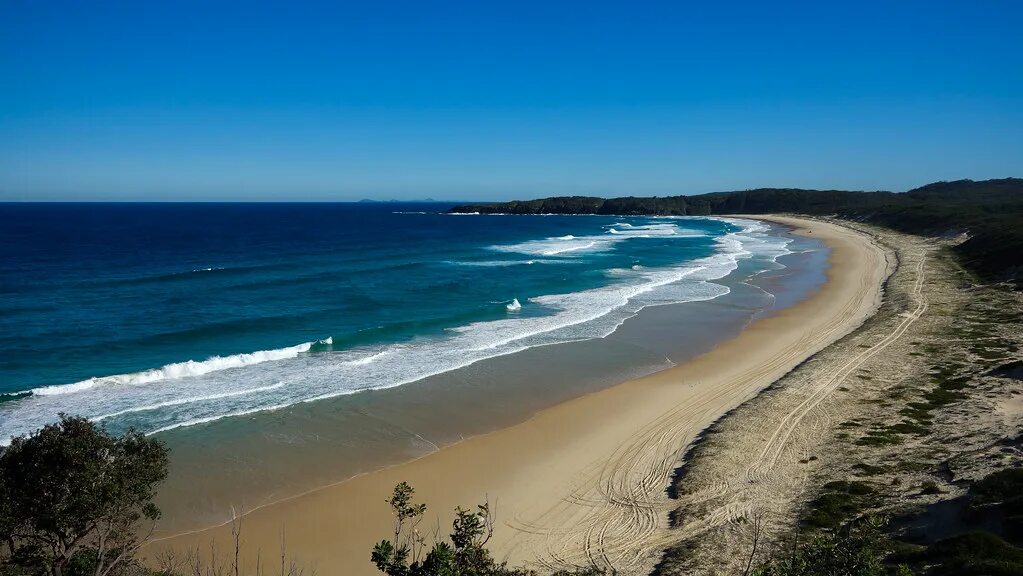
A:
[1012, 370]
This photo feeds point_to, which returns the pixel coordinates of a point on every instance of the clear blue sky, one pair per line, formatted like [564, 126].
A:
[181, 100]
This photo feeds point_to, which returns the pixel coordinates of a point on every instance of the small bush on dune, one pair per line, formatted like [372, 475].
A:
[1000, 486]
[976, 553]
[405, 554]
[858, 549]
[839, 501]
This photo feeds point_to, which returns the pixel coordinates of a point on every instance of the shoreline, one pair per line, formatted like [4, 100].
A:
[576, 466]
[249, 462]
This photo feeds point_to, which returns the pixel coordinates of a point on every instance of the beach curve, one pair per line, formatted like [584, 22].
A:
[583, 482]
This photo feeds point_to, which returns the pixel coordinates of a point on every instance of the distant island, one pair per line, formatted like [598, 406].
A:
[990, 212]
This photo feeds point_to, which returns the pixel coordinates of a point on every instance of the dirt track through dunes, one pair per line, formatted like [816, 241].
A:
[583, 483]
[763, 464]
[756, 463]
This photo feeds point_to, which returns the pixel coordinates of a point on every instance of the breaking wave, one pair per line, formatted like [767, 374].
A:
[200, 392]
[180, 369]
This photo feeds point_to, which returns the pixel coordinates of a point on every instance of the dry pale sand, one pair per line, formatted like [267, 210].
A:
[583, 482]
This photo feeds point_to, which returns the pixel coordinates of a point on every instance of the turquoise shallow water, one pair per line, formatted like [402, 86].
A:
[165, 317]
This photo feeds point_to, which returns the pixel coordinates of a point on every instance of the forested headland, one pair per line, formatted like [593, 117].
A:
[989, 212]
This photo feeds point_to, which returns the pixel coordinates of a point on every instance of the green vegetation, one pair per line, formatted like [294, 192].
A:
[858, 549]
[947, 386]
[851, 543]
[838, 502]
[77, 501]
[1004, 486]
[880, 437]
[974, 553]
[73, 499]
[930, 487]
[868, 469]
[989, 211]
[405, 553]
[997, 496]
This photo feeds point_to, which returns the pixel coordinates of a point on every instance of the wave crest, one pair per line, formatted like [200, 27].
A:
[183, 401]
[181, 369]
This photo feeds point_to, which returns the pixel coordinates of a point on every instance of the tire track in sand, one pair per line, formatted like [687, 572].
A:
[750, 484]
[616, 517]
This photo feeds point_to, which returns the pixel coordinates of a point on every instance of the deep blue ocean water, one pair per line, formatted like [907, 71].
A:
[167, 315]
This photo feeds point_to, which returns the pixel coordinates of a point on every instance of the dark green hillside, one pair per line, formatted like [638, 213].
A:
[990, 192]
[990, 212]
[557, 205]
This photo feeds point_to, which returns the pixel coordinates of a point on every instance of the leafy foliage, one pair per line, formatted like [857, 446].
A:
[858, 549]
[998, 487]
[838, 502]
[466, 555]
[73, 498]
[980, 553]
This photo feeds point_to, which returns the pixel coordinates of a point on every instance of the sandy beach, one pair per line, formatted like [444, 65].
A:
[583, 482]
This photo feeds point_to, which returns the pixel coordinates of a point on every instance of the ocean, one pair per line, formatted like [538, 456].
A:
[162, 316]
[277, 348]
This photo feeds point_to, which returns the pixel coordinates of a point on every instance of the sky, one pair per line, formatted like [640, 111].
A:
[306, 101]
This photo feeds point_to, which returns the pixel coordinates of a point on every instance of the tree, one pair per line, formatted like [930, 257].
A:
[392, 556]
[74, 497]
[465, 556]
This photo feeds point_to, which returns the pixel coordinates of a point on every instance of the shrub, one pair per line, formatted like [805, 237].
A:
[858, 549]
[73, 498]
[838, 501]
[976, 553]
[466, 555]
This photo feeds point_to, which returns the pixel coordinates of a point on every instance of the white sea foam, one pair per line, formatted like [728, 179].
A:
[572, 248]
[514, 305]
[180, 370]
[189, 394]
[503, 263]
[566, 245]
[367, 359]
[208, 419]
[180, 401]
